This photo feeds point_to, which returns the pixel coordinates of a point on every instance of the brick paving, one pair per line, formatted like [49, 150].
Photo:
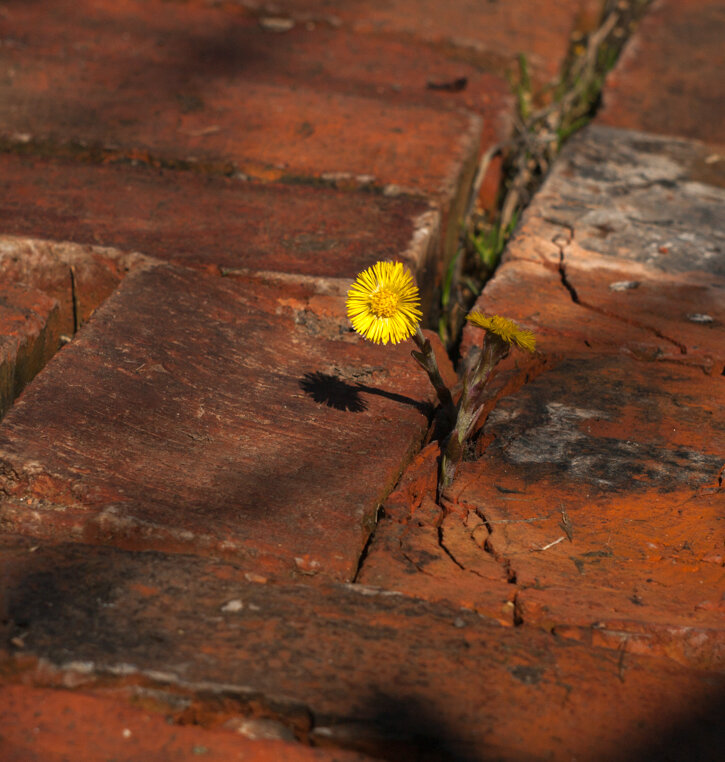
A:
[220, 537]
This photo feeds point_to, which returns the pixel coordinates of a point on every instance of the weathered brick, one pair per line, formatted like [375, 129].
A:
[421, 551]
[29, 336]
[79, 278]
[196, 413]
[341, 664]
[490, 34]
[206, 222]
[637, 199]
[599, 478]
[142, 83]
[616, 462]
[669, 79]
[624, 247]
[41, 725]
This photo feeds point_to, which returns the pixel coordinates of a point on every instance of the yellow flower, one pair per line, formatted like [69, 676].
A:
[505, 329]
[383, 303]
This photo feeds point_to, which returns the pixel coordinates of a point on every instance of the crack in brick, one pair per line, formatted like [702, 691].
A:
[74, 299]
[446, 550]
[568, 285]
[375, 520]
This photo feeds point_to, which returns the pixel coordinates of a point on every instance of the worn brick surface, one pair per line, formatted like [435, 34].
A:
[669, 79]
[79, 278]
[41, 725]
[188, 487]
[422, 551]
[206, 222]
[29, 336]
[631, 455]
[613, 449]
[216, 416]
[624, 246]
[350, 665]
[491, 34]
[169, 82]
[613, 433]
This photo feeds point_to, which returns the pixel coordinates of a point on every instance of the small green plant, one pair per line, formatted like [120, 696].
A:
[489, 244]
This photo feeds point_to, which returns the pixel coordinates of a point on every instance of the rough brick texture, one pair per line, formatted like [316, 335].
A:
[40, 725]
[592, 501]
[490, 34]
[397, 678]
[669, 80]
[205, 222]
[169, 83]
[29, 336]
[231, 417]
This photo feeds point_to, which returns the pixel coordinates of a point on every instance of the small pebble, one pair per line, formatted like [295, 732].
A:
[699, 317]
[624, 285]
[270, 24]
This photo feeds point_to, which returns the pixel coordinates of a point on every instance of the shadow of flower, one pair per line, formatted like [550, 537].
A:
[326, 389]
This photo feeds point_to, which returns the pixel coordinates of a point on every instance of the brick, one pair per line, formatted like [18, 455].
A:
[202, 414]
[29, 336]
[598, 476]
[638, 199]
[491, 34]
[40, 724]
[669, 79]
[630, 452]
[142, 85]
[79, 278]
[205, 222]
[338, 664]
[421, 551]
[624, 246]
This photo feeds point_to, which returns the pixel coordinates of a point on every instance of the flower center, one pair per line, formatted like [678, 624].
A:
[384, 303]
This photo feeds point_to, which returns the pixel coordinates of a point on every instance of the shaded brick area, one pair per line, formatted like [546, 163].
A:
[230, 420]
[398, 678]
[489, 34]
[209, 222]
[40, 725]
[29, 336]
[170, 83]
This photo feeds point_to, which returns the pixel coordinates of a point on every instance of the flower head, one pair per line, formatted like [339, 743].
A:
[505, 329]
[383, 303]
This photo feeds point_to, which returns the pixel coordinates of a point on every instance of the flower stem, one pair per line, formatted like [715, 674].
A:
[427, 360]
[470, 407]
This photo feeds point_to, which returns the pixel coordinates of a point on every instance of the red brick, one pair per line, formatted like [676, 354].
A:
[669, 79]
[79, 278]
[29, 336]
[205, 222]
[41, 725]
[629, 451]
[598, 478]
[341, 664]
[623, 246]
[421, 551]
[171, 80]
[201, 414]
[491, 34]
